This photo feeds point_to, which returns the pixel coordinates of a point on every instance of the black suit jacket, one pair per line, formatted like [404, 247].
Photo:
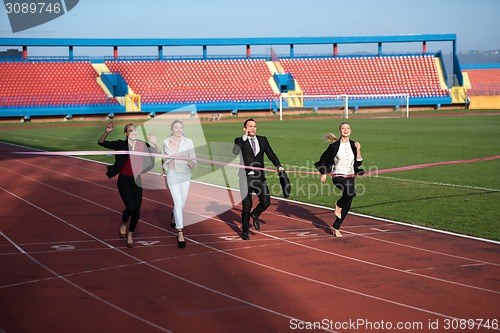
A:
[326, 161]
[244, 149]
[113, 170]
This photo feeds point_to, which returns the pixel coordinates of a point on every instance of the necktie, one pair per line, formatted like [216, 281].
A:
[253, 146]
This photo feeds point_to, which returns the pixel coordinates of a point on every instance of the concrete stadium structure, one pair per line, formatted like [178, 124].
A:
[161, 82]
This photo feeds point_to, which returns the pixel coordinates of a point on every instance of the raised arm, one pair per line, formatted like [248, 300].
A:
[109, 128]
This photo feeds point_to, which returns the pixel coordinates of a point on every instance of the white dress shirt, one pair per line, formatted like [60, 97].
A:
[257, 147]
[184, 150]
[344, 160]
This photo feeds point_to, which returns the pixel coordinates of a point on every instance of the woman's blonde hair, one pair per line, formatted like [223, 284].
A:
[177, 121]
[330, 137]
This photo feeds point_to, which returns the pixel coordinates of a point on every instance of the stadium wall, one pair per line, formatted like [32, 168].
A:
[162, 46]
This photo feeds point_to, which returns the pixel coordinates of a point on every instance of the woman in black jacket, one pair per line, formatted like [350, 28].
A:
[342, 159]
[129, 169]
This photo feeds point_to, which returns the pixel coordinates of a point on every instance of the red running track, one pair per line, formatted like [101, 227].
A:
[64, 269]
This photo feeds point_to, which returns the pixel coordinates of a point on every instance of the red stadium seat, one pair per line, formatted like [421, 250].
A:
[243, 78]
[49, 83]
[368, 75]
[484, 81]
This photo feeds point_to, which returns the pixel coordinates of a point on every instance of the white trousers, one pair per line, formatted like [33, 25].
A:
[178, 184]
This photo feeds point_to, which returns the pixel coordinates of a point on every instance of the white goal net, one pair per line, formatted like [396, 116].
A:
[345, 102]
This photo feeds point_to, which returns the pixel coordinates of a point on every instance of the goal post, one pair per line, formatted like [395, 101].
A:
[345, 101]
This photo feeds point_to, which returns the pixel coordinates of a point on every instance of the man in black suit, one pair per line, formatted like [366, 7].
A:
[252, 148]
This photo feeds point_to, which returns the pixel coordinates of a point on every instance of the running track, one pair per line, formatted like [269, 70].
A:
[64, 269]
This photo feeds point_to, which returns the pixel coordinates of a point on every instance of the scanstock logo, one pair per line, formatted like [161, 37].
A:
[26, 14]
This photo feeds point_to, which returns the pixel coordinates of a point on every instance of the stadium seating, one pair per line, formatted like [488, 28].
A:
[484, 81]
[415, 75]
[196, 81]
[50, 84]
[204, 81]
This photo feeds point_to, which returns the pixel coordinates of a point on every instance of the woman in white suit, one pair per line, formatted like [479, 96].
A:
[178, 173]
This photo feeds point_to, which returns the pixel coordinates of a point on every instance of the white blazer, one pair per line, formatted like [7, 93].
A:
[185, 150]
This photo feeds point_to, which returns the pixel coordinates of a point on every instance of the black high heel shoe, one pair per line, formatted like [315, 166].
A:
[130, 244]
[172, 220]
[180, 244]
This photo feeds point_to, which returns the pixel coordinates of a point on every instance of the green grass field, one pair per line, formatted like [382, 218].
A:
[461, 198]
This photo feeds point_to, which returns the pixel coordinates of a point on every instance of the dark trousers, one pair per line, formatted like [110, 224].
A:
[346, 185]
[249, 185]
[131, 195]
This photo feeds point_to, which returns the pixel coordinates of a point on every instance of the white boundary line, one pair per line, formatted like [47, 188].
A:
[247, 260]
[57, 275]
[440, 184]
[329, 208]
[371, 217]
[218, 251]
[266, 266]
[140, 261]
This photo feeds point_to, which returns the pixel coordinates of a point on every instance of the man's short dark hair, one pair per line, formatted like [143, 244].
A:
[246, 121]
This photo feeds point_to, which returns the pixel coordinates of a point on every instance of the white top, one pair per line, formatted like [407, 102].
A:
[344, 160]
[185, 151]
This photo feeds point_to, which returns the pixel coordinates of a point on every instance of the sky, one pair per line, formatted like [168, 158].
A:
[475, 23]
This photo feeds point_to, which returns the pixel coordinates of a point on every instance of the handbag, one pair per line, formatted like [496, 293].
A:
[285, 183]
